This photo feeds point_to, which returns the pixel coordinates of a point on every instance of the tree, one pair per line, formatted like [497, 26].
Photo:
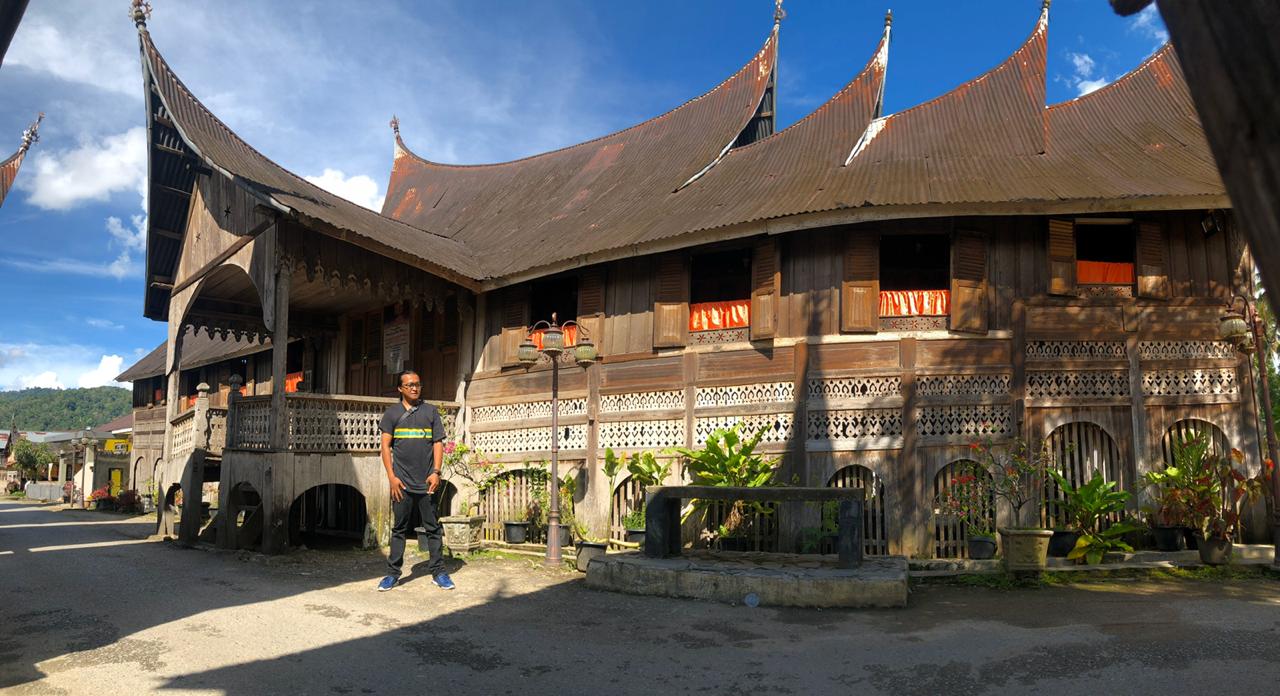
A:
[32, 457]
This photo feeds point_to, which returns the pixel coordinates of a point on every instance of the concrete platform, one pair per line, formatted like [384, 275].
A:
[776, 579]
[1241, 554]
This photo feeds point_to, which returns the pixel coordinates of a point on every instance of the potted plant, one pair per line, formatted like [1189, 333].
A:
[129, 501]
[590, 547]
[970, 499]
[463, 531]
[102, 498]
[1018, 475]
[1170, 492]
[516, 529]
[729, 461]
[1217, 490]
[646, 470]
[1089, 507]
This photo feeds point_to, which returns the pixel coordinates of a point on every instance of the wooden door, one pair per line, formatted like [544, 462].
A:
[355, 356]
[364, 355]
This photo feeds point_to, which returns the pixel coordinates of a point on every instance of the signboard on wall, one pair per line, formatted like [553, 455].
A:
[395, 344]
[116, 446]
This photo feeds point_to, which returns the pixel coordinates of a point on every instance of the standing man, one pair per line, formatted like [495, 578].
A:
[411, 453]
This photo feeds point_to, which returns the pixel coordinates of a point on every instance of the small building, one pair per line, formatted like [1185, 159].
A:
[873, 291]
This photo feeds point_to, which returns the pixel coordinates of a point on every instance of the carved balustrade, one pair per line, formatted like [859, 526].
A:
[320, 422]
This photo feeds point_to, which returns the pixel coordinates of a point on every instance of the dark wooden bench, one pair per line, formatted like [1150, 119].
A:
[662, 514]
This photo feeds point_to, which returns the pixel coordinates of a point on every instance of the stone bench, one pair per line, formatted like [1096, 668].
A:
[662, 514]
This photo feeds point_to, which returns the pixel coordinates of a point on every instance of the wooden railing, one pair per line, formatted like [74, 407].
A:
[217, 430]
[184, 434]
[319, 422]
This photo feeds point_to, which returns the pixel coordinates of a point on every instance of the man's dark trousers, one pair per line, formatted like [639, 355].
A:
[402, 510]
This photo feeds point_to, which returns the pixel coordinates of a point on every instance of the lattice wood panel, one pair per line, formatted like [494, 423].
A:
[506, 413]
[859, 424]
[964, 385]
[950, 535]
[778, 426]
[505, 500]
[834, 388]
[1185, 350]
[1190, 382]
[1080, 449]
[627, 496]
[217, 430]
[706, 338]
[1076, 350]
[875, 537]
[184, 434]
[1077, 384]
[646, 434]
[970, 422]
[335, 425]
[253, 424]
[519, 440]
[744, 394]
[642, 401]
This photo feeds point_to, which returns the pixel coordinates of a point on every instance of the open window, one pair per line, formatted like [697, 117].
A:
[720, 292]
[558, 298]
[1107, 257]
[915, 277]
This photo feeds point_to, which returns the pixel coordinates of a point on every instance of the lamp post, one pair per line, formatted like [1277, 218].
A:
[1234, 327]
[584, 353]
[84, 442]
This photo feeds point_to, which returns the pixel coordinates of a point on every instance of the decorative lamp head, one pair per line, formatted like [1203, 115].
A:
[1232, 328]
[585, 353]
[1246, 346]
[527, 354]
[553, 340]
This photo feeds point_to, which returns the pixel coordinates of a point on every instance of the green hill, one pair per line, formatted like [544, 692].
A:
[63, 409]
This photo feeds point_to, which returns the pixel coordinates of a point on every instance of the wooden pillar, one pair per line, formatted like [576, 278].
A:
[795, 516]
[279, 353]
[1018, 392]
[909, 528]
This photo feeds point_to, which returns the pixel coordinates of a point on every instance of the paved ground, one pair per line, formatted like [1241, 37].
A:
[88, 605]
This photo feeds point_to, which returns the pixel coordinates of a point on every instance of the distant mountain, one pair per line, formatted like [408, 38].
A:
[63, 409]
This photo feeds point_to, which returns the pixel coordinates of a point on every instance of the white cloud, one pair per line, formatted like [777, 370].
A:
[54, 365]
[133, 238]
[124, 266]
[1083, 64]
[1087, 86]
[82, 57]
[64, 179]
[104, 374]
[47, 379]
[358, 189]
[1150, 24]
[103, 324]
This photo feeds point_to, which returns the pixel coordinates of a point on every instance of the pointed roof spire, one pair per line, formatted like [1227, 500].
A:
[395, 125]
[140, 12]
[779, 14]
[31, 135]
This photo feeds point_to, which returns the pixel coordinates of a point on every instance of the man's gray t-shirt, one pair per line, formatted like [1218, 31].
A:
[413, 436]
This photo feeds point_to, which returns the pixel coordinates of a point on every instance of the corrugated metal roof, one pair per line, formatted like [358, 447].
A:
[222, 148]
[989, 141]
[9, 168]
[583, 197]
[121, 423]
[198, 349]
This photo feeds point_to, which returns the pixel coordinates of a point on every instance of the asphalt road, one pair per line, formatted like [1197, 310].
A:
[88, 604]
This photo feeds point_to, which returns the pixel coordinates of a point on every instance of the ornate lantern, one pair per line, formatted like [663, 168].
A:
[1233, 329]
[527, 354]
[585, 353]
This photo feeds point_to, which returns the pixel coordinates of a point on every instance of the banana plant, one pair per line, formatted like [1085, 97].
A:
[727, 460]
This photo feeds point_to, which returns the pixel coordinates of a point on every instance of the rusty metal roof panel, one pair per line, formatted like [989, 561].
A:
[215, 142]
[584, 197]
[9, 172]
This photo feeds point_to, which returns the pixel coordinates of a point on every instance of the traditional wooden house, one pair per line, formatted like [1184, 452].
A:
[9, 167]
[875, 291]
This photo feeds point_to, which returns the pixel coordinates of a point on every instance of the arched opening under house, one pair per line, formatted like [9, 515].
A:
[245, 517]
[328, 516]
[951, 533]
[1079, 450]
[875, 537]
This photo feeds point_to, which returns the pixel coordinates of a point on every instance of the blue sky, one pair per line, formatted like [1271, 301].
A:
[313, 85]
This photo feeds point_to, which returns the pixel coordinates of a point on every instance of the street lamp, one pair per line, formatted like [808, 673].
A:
[84, 442]
[1234, 327]
[584, 353]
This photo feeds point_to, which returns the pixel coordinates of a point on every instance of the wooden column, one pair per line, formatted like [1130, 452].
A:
[279, 353]
[909, 528]
[796, 516]
[1138, 415]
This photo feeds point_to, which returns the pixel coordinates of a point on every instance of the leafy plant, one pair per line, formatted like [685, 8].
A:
[613, 464]
[970, 499]
[1018, 472]
[103, 493]
[1089, 506]
[31, 457]
[471, 464]
[1175, 484]
[1207, 490]
[811, 537]
[634, 519]
[728, 461]
[647, 470]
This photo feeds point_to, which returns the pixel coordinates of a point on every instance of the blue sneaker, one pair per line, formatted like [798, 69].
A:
[442, 581]
[388, 583]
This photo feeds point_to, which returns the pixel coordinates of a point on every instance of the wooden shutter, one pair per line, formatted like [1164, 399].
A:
[860, 290]
[969, 282]
[671, 302]
[1153, 262]
[515, 306]
[764, 290]
[1062, 257]
[591, 304]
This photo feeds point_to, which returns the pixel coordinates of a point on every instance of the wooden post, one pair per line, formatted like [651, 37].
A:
[908, 528]
[849, 540]
[200, 420]
[279, 352]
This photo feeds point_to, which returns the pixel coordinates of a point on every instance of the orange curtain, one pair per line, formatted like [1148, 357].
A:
[570, 335]
[1103, 273]
[915, 303]
[710, 316]
[291, 382]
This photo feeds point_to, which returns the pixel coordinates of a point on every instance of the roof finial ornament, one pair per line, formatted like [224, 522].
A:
[778, 13]
[140, 11]
[395, 125]
[1044, 6]
[888, 18]
[31, 135]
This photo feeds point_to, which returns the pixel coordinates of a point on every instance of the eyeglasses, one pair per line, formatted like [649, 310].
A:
[411, 385]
